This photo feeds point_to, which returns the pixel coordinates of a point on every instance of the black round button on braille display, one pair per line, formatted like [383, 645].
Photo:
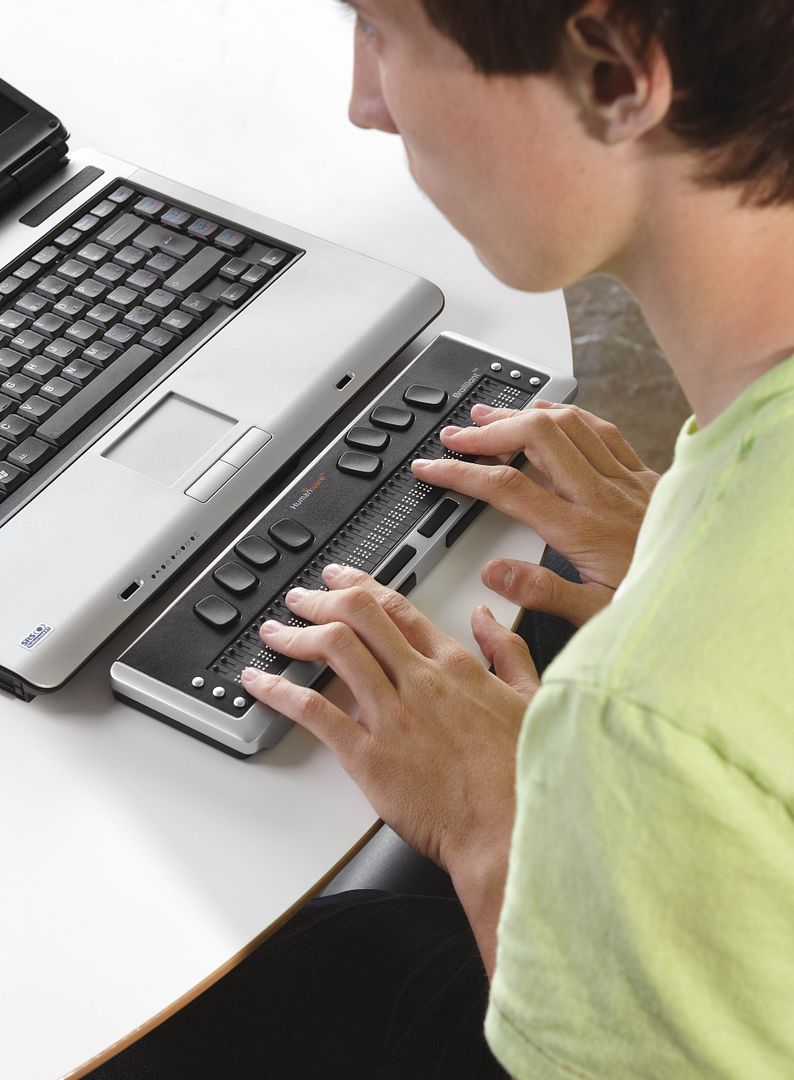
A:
[215, 611]
[425, 397]
[367, 438]
[388, 416]
[290, 534]
[257, 551]
[235, 578]
[358, 464]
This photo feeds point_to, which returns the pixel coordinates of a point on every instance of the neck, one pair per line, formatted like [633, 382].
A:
[715, 280]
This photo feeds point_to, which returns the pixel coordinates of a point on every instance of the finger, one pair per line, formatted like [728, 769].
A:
[338, 646]
[306, 707]
[538, 589]
[419, 631]
[608, 433]
[506, 489]
[506, 652]
[543, 440]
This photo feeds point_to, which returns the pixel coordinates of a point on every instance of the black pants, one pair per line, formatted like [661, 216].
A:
[364, 985]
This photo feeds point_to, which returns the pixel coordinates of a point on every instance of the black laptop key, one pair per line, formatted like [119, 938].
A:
[196, 271]
[104, 209]
[388, 416]
[7, 406]
[124, 298]
[215, 611]
[111, 274]
[10, 478]
[10, 286]
[235, 578]
[74, 270]
[291, 534]
[91, 402]
[119, 233]
[83, 333]
[47, 256]
[143, 281]
[86, 223]
[94, 254]
[11, 322]
[233, 269]
[62, 350]
[255, 275]
[234, 295]
[40, 368]
[121, 194]
[159, 339]
[27, 342]
[27, 271]
[91, 290]
[59, 391]
[175, 218]
[121, 336]
[232, 240]
[36, 409]
[425, 397]
[68, 238]
[103, 316]
[179, 322]
[155, 238]
[130, 257]
[15, 428]
[198, 305]
[161, 301]
[18, 386]
[141, 318]
[100, 354]
[257, 551]
[49, 325]
[32, 305]
[149, 206]
[11, 361]
[52, 287]
[274, 258]
[31, 454]
[70, 308]
[79, 373]
[203, 228]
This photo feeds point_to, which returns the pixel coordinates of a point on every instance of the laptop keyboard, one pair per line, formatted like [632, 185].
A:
[132, 283]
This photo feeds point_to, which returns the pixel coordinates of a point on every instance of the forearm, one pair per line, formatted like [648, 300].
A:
[479, 882]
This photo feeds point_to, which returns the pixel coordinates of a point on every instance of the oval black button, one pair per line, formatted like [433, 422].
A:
[257, 551]
[235, 577]
[425, 397]
[359, 464]
[367, 438]
[388, 416]
[216, 611]
[290, 534]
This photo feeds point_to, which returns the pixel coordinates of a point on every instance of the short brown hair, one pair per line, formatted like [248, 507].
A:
[732, 63]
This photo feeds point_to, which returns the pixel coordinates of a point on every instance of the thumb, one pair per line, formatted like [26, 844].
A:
[506, 652]
[538, 589]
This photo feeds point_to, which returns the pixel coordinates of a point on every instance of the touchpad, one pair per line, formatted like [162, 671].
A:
[167, 441]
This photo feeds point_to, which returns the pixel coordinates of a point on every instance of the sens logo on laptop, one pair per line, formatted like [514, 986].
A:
[35, 636]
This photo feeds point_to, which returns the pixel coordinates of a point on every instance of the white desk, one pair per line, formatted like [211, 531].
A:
[136, 861]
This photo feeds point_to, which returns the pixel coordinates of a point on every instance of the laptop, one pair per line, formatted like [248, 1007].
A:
[163, 356]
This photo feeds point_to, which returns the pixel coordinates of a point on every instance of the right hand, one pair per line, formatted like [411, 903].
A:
[592, 515]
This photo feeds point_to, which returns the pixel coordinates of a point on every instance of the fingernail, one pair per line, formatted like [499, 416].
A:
[252, 678]
[420, 464]
[270, 627]
[482, 410]
[450, 432]
[333, 570]
[482, 609]
[296, 596]
[500, 576]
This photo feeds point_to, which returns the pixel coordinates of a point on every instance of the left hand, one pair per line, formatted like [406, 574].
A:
[434, 747]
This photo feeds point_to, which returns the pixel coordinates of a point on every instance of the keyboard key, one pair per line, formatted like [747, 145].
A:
[121, 336]
[439, 517]
[149, 206]
[274, 258]
[119, 232]
[234, 295]
[10, 478]
[162, 341]
[203, 229]
[32, 305]
[157, 239]
[60, 390]
[91, 402]
[257, 551]
[233, 269]
[161, 264]
[121, 195]
[15, 428]
[255, 275]
[18, 387]
[36, 409]
[86, 223]
[357, 464]
[387, 416]
[140, 318]
[100, 354]
[90, 290]
[40, 368]
[104, 316]
[105, 209]
[11, 362]
[130, 257]
[196, 272]
[83, 332]
[235, 578]
[142, 280]
[7, 406]
[232, 240]
[216, 612]
[395, 565]
[291, 534]
[47, 256]
[52, 288]
[68, 238]
[27, 271]
[62, 350]
[11, 322]
[31, 454]
[161, 301]
[70, 308]
[27, 342]
[124, 298]
[179, 322]
[49, 325]
[111, 274]
[425, 397]
[79, 373]
[198, 305]
[94, 254]
[367, 438]
[73, 270]
[176, 218]
[10, 286]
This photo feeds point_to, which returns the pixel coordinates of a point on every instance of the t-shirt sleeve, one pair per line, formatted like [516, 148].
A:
[647, 923]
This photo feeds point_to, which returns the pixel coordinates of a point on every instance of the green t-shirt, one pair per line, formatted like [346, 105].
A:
[648, 923]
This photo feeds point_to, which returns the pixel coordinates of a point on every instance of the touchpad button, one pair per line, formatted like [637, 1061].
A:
[171, 438]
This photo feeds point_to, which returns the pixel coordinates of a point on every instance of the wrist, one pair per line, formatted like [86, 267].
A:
[479, 877]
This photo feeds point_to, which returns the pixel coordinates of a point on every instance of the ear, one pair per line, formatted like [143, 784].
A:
[625, 90]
